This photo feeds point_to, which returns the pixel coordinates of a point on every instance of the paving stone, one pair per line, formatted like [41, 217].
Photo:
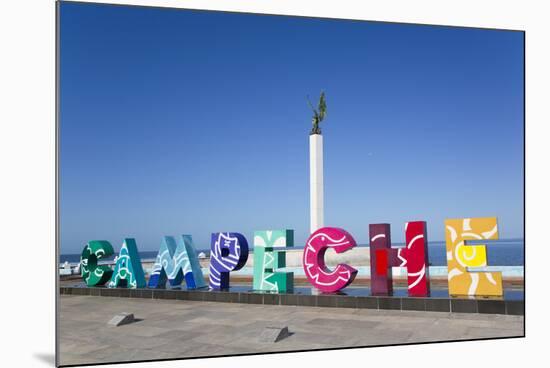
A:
[343, 323]
[288, 299]
[515, 307]
[438, 305]
[418, 304]
[463, 306]
[186, 328]
[389, 303]
[367, 302]
[121, 319]
[491, 306]
[274, 333]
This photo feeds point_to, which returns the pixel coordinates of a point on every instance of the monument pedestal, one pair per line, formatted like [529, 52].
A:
[316, 182]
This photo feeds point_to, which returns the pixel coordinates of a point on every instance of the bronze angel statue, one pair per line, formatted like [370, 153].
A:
[318, 114]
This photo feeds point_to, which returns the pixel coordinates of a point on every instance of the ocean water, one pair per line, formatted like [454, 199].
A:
[506, 252]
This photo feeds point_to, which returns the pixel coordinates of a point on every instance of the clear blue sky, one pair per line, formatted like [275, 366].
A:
[176, 121]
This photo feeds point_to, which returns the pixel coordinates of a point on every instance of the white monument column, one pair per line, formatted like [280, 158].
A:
[316, 207]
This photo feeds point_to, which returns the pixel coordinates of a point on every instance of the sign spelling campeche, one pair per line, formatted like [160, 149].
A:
[177, 260]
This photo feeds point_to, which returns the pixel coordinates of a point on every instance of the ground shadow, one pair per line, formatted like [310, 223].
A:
[46, 358]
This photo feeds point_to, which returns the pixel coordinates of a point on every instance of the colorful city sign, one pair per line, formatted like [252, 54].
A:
[317, 273]
[229, 252]
[461, 258]
[414, 256]
[177, 260]
[92, 273]
[269, 255]
[128, 271]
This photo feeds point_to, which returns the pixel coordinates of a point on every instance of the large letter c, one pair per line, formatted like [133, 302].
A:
[317, 273]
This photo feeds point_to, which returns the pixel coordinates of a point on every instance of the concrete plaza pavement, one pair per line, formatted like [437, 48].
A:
[169, 329]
